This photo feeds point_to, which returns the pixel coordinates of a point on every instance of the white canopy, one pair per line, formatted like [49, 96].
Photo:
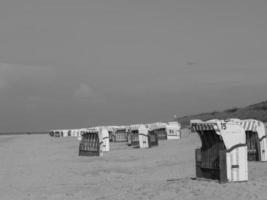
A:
[231, 133]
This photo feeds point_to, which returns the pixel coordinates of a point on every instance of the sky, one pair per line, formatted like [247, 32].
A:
[80, 63]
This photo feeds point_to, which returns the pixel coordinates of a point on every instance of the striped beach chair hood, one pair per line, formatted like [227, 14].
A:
[232, 134]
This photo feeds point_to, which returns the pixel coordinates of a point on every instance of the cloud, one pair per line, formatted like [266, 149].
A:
[84, 92]
[191, 63]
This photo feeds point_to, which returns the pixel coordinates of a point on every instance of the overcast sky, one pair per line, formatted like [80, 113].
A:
[74, 63]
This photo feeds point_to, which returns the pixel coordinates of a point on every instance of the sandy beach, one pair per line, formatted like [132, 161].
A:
[41, 167]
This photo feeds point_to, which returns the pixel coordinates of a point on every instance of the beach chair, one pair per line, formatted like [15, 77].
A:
[141, 138]
[120, 135]
[57, 133]
[152, 139]
[91, 143]
[159, 129]
[133, 135]
[74, 133]
[134, 138]
[51, 133]
[256, 139]
[223, 152]
[173, 130]
[69, 133]
[161, 133]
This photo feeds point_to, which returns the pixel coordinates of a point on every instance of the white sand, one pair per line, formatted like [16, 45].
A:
[41, 167]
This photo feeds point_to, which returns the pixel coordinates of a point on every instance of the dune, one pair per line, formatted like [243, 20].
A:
[255, 111]
[41, 167]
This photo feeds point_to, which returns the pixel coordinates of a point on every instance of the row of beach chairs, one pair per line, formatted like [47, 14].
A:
[136, 136]
[65, 133]
[226, 145]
